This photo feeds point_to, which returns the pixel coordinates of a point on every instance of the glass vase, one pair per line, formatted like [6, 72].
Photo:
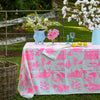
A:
[53, 41]
[96, 37]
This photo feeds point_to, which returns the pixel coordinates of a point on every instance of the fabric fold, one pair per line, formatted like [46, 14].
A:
[52, 51]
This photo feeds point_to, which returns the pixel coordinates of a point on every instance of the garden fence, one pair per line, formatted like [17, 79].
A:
[10, 33]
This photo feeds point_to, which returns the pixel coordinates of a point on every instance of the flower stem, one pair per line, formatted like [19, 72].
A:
[53, 41]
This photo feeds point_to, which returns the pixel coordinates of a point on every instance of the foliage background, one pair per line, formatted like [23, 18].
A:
[24, 5]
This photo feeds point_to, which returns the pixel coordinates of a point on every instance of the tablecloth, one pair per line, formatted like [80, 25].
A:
[59, 69]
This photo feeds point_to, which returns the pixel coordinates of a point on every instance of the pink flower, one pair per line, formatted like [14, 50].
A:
[52, 34]
[55, 33]
[50, 31]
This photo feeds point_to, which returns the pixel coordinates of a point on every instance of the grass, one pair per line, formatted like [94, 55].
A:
[82, 34]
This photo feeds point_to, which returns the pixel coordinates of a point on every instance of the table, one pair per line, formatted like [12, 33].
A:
[59, 69]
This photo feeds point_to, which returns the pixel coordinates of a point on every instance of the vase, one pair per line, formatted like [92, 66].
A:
[53, 41]
[39, 36]
[96, 37]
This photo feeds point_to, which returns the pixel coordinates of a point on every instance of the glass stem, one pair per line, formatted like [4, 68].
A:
[72, 40]
[68, 41]
[53, 41]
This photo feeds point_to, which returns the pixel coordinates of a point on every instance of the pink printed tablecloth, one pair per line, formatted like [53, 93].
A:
[58, 69]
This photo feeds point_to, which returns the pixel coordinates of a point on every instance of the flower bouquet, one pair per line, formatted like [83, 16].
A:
[39, 26]
[52, 34]
[40, 23]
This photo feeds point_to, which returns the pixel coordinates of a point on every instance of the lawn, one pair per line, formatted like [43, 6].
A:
[82, 34]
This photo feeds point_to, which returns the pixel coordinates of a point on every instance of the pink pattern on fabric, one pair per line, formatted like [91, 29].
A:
[61, 88]
[41, 50]
[29, 54]
[94, 65]
[52, 73]
[93, 74]
[43, 74]
[50, 51]
[81, 62]
[76, 74]
[60, 63]
[29, 66]
[20, 77]
[30, 91]
[75, 85]
[24, 83]
[75, 61]
[60, 77]
[26, 71]
[62, 55]
[43, 61]
[38, 51]
[98, 64]
[84, 74]
[68, 64]
[35, 88]
[91, 54]
[22, 61]
[49, 62]
[91, 77]
[26, 79]
[60, 68]
[35, 64]
[78, 50]
[92, 86]
[21, 68]
[44, 86]
[31, 75]
[23, 92]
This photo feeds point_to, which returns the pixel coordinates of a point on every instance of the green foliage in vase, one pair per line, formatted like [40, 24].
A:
[38, 23]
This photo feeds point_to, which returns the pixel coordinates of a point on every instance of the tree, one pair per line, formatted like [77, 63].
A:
[25, 5]
[87, 14]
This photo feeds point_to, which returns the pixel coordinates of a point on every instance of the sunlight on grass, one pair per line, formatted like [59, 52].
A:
[77, 27]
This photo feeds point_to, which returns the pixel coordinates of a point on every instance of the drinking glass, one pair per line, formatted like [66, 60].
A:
[72, 35]
[68, 40]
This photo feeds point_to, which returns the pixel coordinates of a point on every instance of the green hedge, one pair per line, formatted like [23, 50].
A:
[72, 1]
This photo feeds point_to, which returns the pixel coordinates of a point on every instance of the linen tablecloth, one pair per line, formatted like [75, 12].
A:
[59, 69]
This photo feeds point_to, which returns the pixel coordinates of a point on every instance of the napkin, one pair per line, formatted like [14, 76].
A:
[52, 51]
